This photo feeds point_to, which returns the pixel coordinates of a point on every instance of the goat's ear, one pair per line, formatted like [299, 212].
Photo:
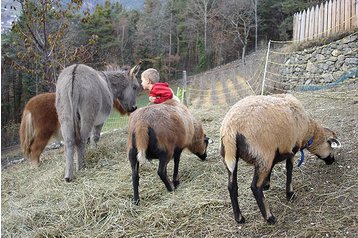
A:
[334, 143]
[208, 140]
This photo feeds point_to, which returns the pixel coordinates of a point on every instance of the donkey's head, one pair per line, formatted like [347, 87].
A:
[125, 87]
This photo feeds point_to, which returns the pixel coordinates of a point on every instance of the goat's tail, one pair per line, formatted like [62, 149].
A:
[228, 152]
[27, 133]
[142, 142]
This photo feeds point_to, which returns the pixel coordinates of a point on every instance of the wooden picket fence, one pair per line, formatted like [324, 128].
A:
[325, 19]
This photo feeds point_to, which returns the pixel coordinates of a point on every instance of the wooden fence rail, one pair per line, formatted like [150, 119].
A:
[326, 19]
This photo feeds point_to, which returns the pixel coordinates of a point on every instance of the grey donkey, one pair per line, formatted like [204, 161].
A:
[84, 100]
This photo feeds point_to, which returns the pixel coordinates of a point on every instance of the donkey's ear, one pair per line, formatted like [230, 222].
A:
[135, 70]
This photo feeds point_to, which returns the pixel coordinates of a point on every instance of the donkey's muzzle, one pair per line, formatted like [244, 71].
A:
[132, 109]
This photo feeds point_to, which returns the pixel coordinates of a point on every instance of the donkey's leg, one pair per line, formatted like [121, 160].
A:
[96, 133]
[69, 143]
[85, 132]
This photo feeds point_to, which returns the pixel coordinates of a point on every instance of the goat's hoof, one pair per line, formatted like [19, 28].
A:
[240, 220]
[290, 196]
[271, 220]
[136, 202]
[68, 180]
[176, 184]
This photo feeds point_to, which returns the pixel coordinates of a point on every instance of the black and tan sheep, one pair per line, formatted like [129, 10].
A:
[265, 130]
[163, 131]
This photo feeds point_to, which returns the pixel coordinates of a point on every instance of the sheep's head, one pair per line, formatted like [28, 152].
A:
[324, 147]
[200, 142]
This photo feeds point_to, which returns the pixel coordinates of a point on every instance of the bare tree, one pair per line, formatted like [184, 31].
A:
[201, 10]
[254, 6]
[241, 18]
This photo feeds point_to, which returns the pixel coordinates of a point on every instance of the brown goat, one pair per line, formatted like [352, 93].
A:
[265, 130]
[40, 122]
[163, 131]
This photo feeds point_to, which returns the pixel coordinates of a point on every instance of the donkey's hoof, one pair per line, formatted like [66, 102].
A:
[271, 220]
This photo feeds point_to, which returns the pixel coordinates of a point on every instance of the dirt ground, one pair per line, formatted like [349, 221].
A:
[38, 203]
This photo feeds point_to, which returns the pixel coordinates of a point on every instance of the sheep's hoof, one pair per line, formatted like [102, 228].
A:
[170, 189]
[136, 202]
[290, 196]
[68, 180]
[266, 187]
[271, 220]
[176, 184]
[240, 220]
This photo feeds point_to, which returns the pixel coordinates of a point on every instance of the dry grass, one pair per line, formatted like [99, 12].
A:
[38, 203]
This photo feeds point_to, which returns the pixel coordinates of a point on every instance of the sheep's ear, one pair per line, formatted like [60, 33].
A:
[208, 140]
[334, 143]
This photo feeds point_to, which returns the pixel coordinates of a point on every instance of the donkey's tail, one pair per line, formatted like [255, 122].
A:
[27, 133]
[142, 142]
[73, 99]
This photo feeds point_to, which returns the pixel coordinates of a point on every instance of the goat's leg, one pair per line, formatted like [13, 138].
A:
[132, 155]
[290, 194]
[232, 187]
[176, 156]
[162, 172]
[257, 188]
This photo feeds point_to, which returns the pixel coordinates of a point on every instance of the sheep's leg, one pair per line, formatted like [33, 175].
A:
[267, 182]
[162, 172]
[257, 189]
[289, 189]
[132, 155]
[176, 156]
[232, 187]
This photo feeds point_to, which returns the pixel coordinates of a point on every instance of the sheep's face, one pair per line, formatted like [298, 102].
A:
[325, 150]
[202, 147]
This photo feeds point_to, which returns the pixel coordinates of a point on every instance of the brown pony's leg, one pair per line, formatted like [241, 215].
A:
[38, 146]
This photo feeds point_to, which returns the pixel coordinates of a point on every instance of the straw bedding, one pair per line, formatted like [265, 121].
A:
[39, 203]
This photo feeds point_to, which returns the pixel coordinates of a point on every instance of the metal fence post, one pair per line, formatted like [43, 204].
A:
[264, 79]
[184, 96]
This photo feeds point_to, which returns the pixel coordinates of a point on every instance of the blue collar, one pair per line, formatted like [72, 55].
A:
[309, 142]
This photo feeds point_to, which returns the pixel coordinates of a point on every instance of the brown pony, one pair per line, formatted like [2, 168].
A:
[40, 123]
